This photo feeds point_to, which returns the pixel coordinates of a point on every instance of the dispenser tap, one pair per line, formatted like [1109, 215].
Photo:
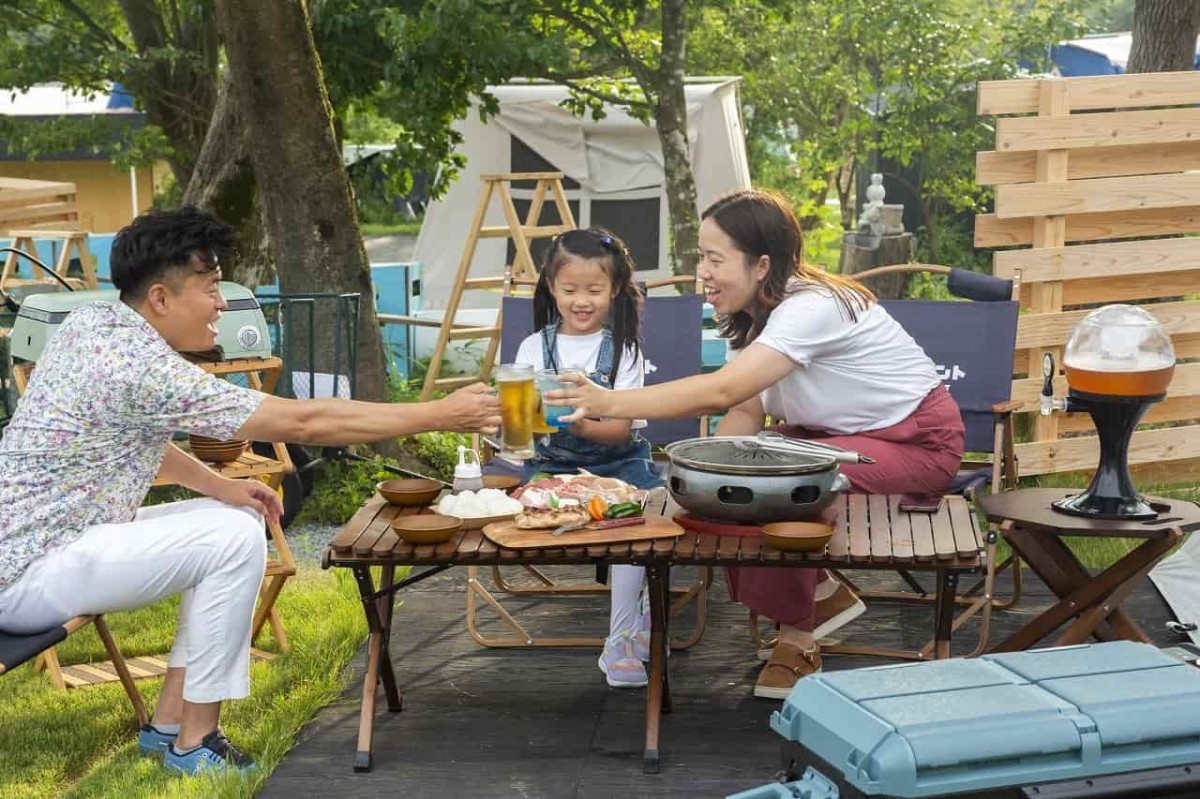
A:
[1047, 403]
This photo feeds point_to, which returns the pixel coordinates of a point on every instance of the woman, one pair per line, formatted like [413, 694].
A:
[817, 352]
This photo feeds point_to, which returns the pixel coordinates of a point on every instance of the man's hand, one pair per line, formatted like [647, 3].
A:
[473, 409]
[249, 494]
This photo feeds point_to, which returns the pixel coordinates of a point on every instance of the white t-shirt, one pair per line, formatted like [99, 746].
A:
[582, 352]
[850, 376]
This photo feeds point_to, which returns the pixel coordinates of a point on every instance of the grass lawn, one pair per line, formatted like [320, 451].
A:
[407, 227]
[80, 743]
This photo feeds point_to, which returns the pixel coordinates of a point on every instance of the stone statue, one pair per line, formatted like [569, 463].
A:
[878, 218]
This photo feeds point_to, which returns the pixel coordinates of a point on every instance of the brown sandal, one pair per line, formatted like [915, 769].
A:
[788, 663]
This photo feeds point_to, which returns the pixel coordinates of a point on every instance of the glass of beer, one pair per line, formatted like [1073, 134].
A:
[519, 401]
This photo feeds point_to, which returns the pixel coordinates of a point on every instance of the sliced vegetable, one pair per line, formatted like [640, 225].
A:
[553, 501]
[596, 507]
[623, 510]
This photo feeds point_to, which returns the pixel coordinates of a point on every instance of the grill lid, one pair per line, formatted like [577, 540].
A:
[746, 455]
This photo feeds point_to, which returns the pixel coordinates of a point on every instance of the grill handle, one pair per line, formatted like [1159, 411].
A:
[813, 448]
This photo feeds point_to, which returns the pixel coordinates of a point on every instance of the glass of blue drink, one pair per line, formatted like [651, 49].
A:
[548, 380]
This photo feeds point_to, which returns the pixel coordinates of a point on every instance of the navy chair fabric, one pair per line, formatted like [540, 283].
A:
[16, 649]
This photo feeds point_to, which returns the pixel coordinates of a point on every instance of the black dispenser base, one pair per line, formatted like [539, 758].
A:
[1111, 494]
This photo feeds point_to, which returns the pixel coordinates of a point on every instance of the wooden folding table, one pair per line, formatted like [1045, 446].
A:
[888, 539]
[1090, 602]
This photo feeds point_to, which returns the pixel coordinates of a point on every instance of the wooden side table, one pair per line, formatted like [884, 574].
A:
[72, 242]
[1090, 603]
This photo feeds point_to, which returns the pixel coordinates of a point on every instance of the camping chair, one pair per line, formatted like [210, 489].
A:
[975, 361]
[671, 331]
[16, 649]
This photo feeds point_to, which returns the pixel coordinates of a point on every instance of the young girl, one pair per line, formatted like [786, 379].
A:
[586, 308]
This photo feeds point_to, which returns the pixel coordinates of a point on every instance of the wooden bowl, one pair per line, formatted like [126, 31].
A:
[426, 528]
[798, 536]
[216, 451]
[409, 491]
[501, 482]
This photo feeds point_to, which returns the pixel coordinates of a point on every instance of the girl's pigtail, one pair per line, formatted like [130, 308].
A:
[626, 310]
[545, 310]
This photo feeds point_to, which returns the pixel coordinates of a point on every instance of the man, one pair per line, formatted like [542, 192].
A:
[93, 431]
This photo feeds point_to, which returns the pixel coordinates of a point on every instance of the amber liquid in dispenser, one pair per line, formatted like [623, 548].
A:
[1139, 383]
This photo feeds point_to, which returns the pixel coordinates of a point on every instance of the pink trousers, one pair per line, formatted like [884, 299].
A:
[918, 457]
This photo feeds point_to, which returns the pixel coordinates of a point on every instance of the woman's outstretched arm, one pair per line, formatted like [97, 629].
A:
[757, 368]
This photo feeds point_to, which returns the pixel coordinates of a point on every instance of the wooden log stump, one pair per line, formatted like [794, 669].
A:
[862, 251]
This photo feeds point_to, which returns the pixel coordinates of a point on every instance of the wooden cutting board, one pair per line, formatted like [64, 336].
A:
[507, 534]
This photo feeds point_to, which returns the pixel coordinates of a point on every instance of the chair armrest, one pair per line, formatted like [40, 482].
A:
[1006, 471]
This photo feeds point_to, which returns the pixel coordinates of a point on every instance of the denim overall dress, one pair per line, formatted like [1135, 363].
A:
[566, 453]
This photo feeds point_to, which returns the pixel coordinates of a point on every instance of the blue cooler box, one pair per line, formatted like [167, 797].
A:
[970, 727]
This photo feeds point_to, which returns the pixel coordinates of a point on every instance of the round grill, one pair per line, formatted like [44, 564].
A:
[746, 455]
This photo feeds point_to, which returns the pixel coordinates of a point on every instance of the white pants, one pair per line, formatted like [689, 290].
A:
[212, 553]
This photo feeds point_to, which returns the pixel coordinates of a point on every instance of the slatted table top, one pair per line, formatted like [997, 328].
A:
[872, 533]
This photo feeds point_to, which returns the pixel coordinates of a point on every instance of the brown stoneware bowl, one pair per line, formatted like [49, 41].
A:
[798, 536]
[426, 528]
[501, 482]
[216, 451]
[409, 491]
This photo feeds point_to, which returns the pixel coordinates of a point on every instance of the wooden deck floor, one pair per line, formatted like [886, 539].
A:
[499, 723]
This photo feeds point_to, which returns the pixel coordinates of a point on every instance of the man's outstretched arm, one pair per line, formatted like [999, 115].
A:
[333, 422]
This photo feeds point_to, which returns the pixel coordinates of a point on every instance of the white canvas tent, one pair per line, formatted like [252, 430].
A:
[614, 170]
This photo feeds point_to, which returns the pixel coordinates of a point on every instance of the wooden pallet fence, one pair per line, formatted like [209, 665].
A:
[1097, 202]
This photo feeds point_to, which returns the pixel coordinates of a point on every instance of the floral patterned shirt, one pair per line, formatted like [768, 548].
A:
[90, 433]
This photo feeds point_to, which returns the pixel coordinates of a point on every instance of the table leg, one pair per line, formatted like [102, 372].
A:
[944, 605]
[1087, 623]
[1078, 591]
[376, 653]
[667, 705]
[386, 605]
[657, 691]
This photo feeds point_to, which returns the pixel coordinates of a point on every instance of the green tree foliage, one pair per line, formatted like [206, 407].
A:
[437, 55]
[85, 44]
[627, 52]
[169, 66]
[831, 84]
[1107, 16]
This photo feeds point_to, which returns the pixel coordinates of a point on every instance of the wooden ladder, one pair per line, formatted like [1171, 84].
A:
[522, 269]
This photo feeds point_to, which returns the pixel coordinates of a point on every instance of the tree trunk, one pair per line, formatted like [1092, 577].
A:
[223, 183]
[311, 222]
[178, 93]
[1164, 36]
[672, 124]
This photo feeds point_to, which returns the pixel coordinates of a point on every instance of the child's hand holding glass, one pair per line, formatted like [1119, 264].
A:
[550, 380]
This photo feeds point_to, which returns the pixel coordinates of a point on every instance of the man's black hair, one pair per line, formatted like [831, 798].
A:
[158, 242]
